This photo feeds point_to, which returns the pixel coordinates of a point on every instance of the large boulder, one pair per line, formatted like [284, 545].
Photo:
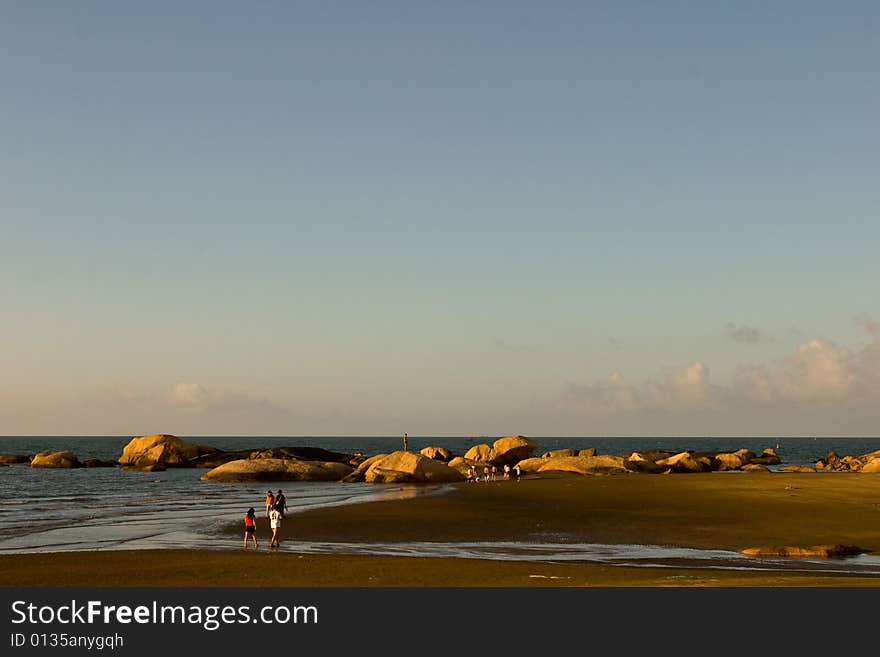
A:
[872, 466]
[437, 453]
[406, 467]
[589, 451]
[161, 449]
[588, 465]
[461, 464]
[55, 460]
[558, 453]
[511, 450]
[638, 463]
[359, 473]
[478, 453]
[278, 470]
[727, 461]
[533, 464]
[755, 468]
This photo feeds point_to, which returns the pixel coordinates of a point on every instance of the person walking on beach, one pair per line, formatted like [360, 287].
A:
[516, 469]
[405, 443]
[275, 523]
[250, 528]
[280, 502]
[270, 502]
[506, 471]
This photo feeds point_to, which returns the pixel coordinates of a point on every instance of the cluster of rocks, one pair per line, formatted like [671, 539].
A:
[866, 463]
[434, 464]
[586, 461]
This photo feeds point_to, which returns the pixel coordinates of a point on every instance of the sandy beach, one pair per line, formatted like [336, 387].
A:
[704, 511]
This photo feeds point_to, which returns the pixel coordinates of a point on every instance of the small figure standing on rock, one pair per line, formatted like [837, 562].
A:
[250, 528]
[405, 443]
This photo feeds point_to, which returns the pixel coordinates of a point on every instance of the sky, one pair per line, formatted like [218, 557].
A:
[447, 219]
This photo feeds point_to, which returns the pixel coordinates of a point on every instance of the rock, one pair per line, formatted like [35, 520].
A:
[161, 449]
[766, 460]
[656, 454]
[478, 453]
[745, 454]
[360, 472]
[98, 463]
[302, 454]
[812, 551]
[511, 450]
[588, 465]
[589, 451]
[406, 467]
[268, 469]
[218, 458]
[796, 468]
[437, 453]
[727, 461]
[638, 463]
[558, 453]
[461, 464]
[15, 458]
[686, 462]
[55, 460]
[755, 467]
[872, 466]
[533, 464]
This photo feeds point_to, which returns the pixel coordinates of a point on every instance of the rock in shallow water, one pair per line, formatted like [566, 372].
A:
[278, 470]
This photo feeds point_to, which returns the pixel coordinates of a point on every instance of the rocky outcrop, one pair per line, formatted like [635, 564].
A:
[768, 457]
[864, 463]
[686, 462]
[511, 450]
[812, 551]
[589, 451]
[270, 469]
[533, 464]
[796, 468]
[55, 460]
[478, 453]
[15, 458]
[359, 473]
[727, 461]
[406, 467]
[588, 465]
[161, 449]
[755, 468]
[558, 453]
[461, 464]
[437, 453]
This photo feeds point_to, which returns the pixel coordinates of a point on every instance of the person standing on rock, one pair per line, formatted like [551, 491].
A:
[405, 443]
[250, 528]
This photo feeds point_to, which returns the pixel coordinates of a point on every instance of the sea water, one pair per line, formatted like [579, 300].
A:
[50, 510]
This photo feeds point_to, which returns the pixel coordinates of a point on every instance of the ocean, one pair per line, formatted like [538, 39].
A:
[50, 510]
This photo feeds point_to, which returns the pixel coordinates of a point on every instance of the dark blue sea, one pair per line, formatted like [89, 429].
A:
[50, 510]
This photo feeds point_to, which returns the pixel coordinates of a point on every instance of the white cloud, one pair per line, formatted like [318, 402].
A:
[190, 395]
[676, 389]
[819, 374]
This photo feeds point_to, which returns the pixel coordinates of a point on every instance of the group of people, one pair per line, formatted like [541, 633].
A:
[491, 473]
[276, 504]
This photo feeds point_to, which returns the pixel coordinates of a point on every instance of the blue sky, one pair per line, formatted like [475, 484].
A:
[621, 218]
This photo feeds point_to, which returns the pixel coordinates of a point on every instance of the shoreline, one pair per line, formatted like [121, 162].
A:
[702, 511]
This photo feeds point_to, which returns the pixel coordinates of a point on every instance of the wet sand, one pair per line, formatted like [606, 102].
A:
[707, 511]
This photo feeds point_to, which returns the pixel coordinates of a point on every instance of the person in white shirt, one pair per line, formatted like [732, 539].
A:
[275, 523]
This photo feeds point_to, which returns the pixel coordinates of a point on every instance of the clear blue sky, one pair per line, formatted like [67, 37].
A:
[458, 218]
